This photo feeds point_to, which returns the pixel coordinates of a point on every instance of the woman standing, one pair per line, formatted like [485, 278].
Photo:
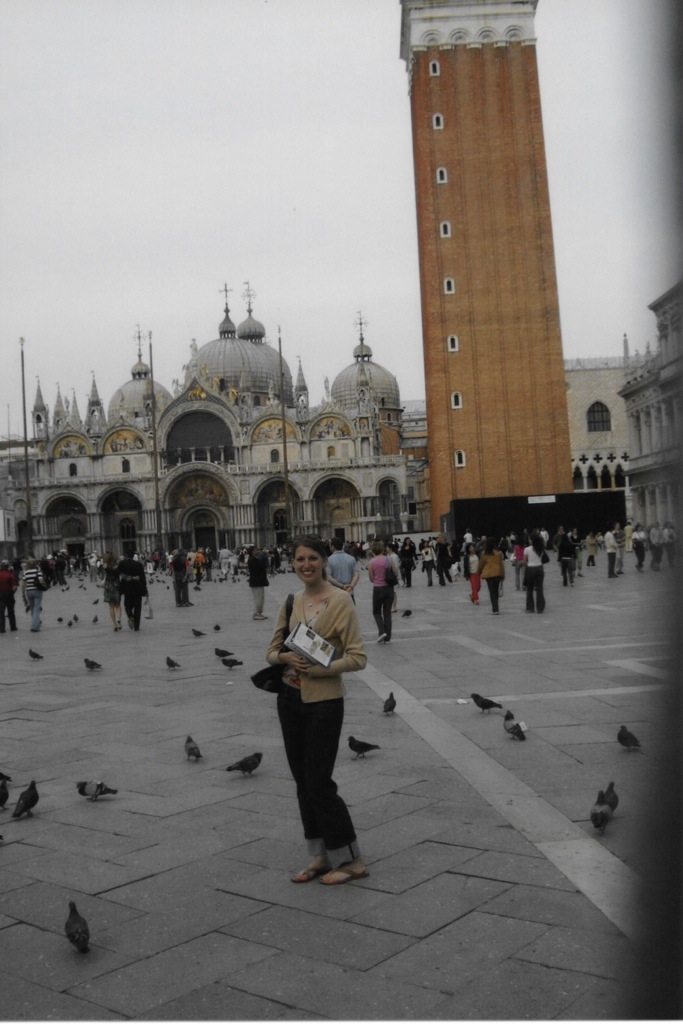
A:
[311, 711]
[471, 562]
[492, 569]
[443, 560]
[382, 592]
[408, 558]
[591, 548]
[428, 560]
[112, 594]
[32, 587]
[518, 560]
[535, 558]
[638, 541]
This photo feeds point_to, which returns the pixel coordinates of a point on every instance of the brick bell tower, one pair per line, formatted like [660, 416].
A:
[496, 400]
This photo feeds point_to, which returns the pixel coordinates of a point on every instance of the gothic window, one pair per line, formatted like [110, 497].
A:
[445, 229]
[578, 479]
[452, 342]
[598, 418]
[449, 286]
[125, 465]
[619, 478]
[274, 455]
[437, 121]
[460, 459]
[606, 479]
[441, 175]
[127, 529]
[434, 68]
[456, 400]
[73, 469]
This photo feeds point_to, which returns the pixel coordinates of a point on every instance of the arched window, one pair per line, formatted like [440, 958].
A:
[274, 455]
[127, 529]
[578, 479]
[434, 68]
[437, 121]
[445, 229]
[606, 479]
[449, 285]
[456, 400]
[441, 175]
[125, 465]
[257, 399]
[460, 459]
[331, 452]
[452, 343]
[619, 477]
[598, 418]
[591, 479]
[73, 469]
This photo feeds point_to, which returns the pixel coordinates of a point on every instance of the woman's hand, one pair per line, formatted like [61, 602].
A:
[300, 664]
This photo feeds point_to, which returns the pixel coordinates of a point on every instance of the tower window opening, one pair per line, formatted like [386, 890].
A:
[452, 343]
[456, 400]
[434, 68]
[445, 229]
[441, 175]
[437, 121]
[449, 286]
[460, 459]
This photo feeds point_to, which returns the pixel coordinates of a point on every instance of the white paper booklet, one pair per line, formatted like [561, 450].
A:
[306, 641]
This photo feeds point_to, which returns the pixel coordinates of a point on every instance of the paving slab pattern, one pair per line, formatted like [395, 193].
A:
[490, 895]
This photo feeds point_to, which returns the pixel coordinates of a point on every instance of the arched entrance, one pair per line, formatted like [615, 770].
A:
[198, 513]
[66, 525]
[271, 513]
[121, 522]
[202, 525]
[337, 508]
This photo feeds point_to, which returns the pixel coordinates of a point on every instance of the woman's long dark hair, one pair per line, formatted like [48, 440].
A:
[537, 542]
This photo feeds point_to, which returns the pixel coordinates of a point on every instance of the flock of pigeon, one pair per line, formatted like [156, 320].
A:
[607, 800]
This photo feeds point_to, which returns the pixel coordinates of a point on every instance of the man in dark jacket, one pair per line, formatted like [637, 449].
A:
[257, 565]
[8, 586]
[133, 587]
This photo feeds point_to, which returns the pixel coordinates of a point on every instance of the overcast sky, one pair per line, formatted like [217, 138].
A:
[154, 149]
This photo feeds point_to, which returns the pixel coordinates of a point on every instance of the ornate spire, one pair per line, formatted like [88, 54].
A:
[59, 413]
[39, 404]
[94, 418]
[39, 414]
[250, 329]
[362, 352]
[227, 328]
[626, 357]
[74, 415]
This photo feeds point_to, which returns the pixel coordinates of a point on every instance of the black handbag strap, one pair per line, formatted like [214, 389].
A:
[289, 606]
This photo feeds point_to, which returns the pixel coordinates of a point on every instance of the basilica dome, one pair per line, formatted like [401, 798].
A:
[364, 375]
[243, 361]
[132, 399]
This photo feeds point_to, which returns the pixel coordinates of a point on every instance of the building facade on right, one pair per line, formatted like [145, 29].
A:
[494, 373]
[653, 407]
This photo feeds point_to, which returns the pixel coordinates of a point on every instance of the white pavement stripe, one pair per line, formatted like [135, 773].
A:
[609, 884]
[607, 691]
[633, 665]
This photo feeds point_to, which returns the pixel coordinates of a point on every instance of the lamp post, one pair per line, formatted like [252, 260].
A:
[29, 515]
[288, 503]
[155, 457]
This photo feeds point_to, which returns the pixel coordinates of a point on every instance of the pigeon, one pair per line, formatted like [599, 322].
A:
[75, 617]
[7, 778]
[60, 619]
[360, 748]
[627, 739]
[247, 764]
[95, 619]
[389, 704]
[96, 601]
[484, 703]
[406, 614]
[4, 792]
[94, 789]
[27, 800]
[198, 632]
[513, 728]
[220, 653]
[601, 812]
[611, 797]
[231, 663]
[34, 655]
[217, 629]
[191, 749]
[171, 663]
[76, 928]
[69, 623]
[91, 665]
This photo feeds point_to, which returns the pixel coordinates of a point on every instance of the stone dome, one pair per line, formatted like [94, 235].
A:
[363, 374]
[131, 398]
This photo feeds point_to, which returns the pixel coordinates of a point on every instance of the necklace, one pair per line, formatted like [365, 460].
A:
[321, 605]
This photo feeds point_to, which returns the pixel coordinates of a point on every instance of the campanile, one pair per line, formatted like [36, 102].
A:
[495, 386]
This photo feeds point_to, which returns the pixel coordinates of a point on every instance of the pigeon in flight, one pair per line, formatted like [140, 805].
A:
[484, 703]
[389, 704]
[246, 765]
[96, 601]
[611, 797]
[94, 789]
[360, 748]
[627, 739]
[171, 663]
[34, 655]
[231, 663]
[191, 749]
[601, 812]
[220, 653]
[198, 632]
[91, 665]
[76, 929]
[27, 800]
[4, 792]
[513, 728]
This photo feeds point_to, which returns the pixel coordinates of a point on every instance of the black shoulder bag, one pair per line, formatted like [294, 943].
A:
[270, 677]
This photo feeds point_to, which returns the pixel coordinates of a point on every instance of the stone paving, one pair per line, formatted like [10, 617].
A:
[490, 894]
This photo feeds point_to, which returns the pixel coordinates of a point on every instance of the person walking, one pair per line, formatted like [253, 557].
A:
[443, 560]
[224, 561]
[669, 543]
[133, 587]
[257, 565]
[577, 544]
[181, 576]
[427, 552]
[33, 585]
[492, 569]
[565, 556]
[310, 708]
[638, 538]
[518, 560]
[342, 569]
[471, 563]
[591, 548]
[611, 550]
[408, 558]
[535, 557]
[8, 588]
[112, 593]
[656, 547]
[382, 592]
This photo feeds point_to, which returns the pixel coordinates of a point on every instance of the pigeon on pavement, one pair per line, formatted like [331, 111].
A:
[484, 703]
[171, 663]
[513, 728]
[198, 632]
[231, 663]
[4, 792]
[627, 739]
[95, 619]
[94, 789]
[217, 628]
[220, 653]
[389, 704]
[69, 623]
[191, 749]
[75, 617]
[611, 797]
[601, 812]
[360, 748]
[76, 928]
[246, 765]
[27, 800]
[406, 614]
[96, 601]
[91, 665]
[34, 655]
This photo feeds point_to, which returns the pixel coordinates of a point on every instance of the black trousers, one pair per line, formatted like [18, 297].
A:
[382, 600]
[534, 585]
[7, 604]
[132, 605]
[493, 583]
[311, 734]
